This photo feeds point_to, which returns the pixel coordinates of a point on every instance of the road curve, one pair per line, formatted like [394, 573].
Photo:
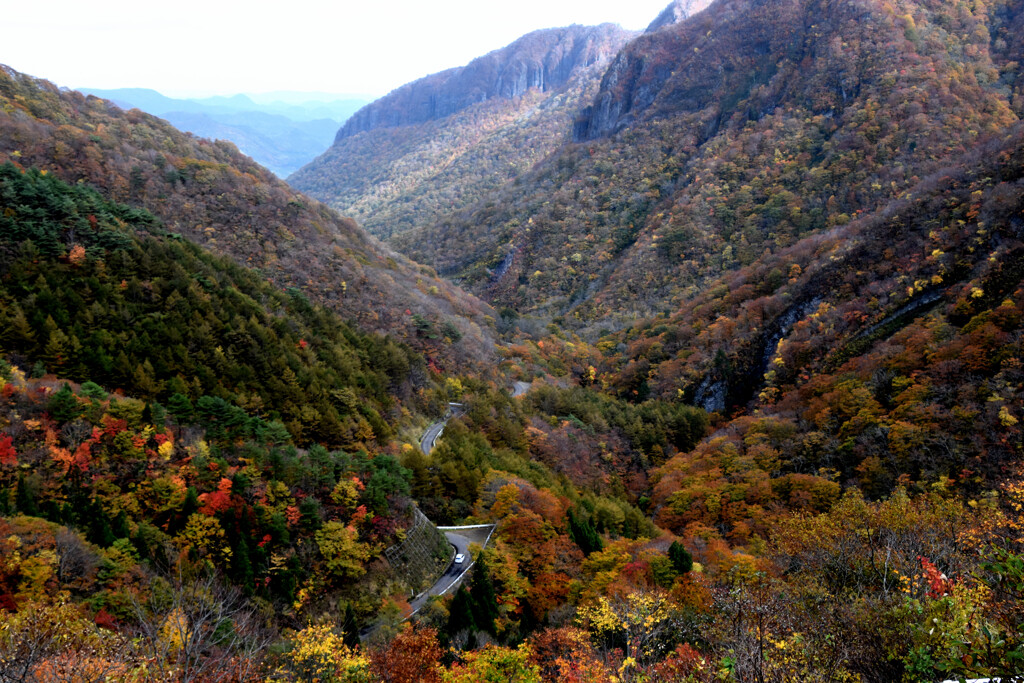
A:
[433, 432]
[430, 436]
[451, 576]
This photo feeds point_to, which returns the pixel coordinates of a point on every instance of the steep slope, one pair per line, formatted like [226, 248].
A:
[97, 291]
[728, 135]
[677, 11]
[544, 59]
[439, 144]
[274, 141]
[213, 195]
[892, 352]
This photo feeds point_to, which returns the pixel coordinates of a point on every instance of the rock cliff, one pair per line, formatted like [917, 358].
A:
[677, 11]
[544, 59]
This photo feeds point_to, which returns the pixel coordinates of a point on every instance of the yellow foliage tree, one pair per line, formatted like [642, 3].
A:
[319, 655]
[494, 664]
[342, 551]
[640, 617]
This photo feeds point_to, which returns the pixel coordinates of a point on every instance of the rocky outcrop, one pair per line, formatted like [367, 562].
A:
[677, 11]
[543, 59]
[714, 56]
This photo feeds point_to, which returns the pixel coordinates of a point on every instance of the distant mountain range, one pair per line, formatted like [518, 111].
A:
[282, 131]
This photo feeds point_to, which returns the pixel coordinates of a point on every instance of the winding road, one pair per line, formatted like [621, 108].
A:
[458, 537]
[433, 432]
[451, 576]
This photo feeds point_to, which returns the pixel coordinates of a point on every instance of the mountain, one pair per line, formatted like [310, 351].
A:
[129, 305]
[676, 11]
[734, 133]
[441, 143]
[767, 208]
[283, 136]
[543, 59]
[211, 194]
[277, 142]
[769, 270]
[297, 106]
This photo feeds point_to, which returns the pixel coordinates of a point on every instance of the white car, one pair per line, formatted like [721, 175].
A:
[460, 558]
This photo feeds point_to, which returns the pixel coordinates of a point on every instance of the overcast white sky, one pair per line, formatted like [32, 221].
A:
[203, 47]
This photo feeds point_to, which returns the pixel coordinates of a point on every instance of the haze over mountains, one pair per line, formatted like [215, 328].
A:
[282, 131]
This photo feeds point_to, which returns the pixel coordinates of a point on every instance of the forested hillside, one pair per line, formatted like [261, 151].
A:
[442, 143]
[282, 137]
[181, 495]
[93, 290]
[734, 134]
[211, 194]
[755, 413]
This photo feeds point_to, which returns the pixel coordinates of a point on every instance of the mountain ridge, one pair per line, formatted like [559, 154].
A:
[543, 59]
[279, 135]
[392, 176]
[215, 196]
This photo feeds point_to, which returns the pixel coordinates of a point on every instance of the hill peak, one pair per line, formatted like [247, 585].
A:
[677, 11]
[543, 59]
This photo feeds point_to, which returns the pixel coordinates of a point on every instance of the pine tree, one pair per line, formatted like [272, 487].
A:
[120, 527]
[241, 567]
[181, 408]
[460, 613]
[681, 559]
[484, 598]
[64, 406]
[25, 498]
[583, 533]
[350, 627]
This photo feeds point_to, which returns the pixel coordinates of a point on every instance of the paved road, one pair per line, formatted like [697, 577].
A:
[430, 436]
[433, 432]
[452, 575]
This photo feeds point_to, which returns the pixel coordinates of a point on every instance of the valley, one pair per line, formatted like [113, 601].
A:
[705, 344]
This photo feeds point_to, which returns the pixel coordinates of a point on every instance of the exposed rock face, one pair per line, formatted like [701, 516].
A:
[682, 67]
[543, 59]
[677, 11]
[635, 77]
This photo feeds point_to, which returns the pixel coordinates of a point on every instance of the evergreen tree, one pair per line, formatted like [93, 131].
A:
[583, 533]
[460, 613]
[485, 600]
[64, 406]
[99, 531]
[350, 627]
[241, 566]
[120, 527]
[93, 391]
[25, 498]
[181, 408]
[681, 559]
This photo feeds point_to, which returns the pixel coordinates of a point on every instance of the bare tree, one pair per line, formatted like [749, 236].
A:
[75, 432]
[56, 644]
[196, 628]
[75, 561]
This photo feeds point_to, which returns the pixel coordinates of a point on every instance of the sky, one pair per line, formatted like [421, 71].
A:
[204, 47]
